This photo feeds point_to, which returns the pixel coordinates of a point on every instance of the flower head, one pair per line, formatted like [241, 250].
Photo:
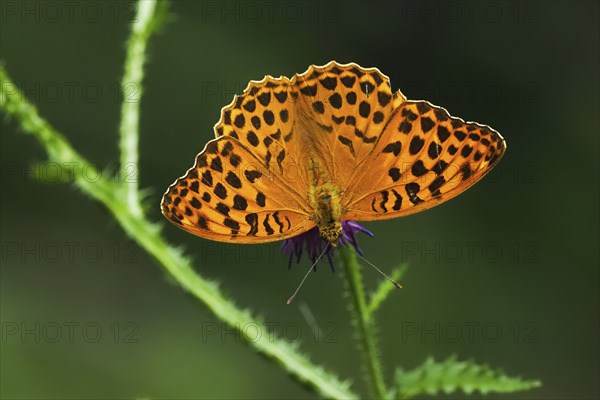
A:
[314, 243]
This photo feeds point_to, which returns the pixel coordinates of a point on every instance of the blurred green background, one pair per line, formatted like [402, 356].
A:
[506, 274]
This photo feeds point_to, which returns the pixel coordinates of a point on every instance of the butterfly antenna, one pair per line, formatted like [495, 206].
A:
[306, 276]
[399, 286]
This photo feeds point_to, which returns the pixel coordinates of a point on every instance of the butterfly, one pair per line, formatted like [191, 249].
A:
[330, 145]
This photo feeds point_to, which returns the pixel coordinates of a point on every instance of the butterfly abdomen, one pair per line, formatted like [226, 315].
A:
[325, 201]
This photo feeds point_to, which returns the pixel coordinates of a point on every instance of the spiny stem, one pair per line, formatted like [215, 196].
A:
[131, 87]
[362, 323]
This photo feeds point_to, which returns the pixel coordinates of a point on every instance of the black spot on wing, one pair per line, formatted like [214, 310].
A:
[440, 167]
[398, 203]
[255, 122]
[260, 199]
[227, 149]
[252, 138]
[309, 90]
[329, 82]
[405, 127]
[348, 81]
[423, 107]
[239, 203]
[284, 116]
[436, 184]
[394, 173]
[418, 168]
[278, 221]
[239, 121]
[252, 175]
[318, 107]
[434, 150]
[235, 160]
[411, 116]
[216, 164]
[442, 133]
[220, 191]
[335, 100]
[460, 135]
[268, 117]
[250, 106]
[364, 109]
[233, 180]
[383, 98]
[267, 226]
[466, 151]
[377, 117]
[440, 114]
[351, 98]
[338, 120]
[252, 220]
[384, 198]
[367, 88]
[416, 144]
[202, 224]
[347, 142]
[281, 97]
[412, 189]
[465, 170]
[222, 208]
[280, 158]
[427, 124]
[230, 223]
[376, 77]
[196, 203]
[264, 98]
[207, 178]
[395, 147]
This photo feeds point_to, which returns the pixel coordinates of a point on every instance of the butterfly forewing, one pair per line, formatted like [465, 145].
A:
[230, 195]
[264, 119]
[424, 157]
[343, 109]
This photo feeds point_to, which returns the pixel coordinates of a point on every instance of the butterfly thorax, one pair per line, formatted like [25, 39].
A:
[325, 201]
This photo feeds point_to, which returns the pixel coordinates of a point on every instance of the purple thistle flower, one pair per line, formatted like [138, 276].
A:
[314, 243]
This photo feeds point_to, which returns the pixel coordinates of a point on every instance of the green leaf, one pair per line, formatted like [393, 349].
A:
[452, 375]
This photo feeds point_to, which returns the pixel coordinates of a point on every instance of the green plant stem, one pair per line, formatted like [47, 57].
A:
[363, 324]
[131, 87]
[147, 235]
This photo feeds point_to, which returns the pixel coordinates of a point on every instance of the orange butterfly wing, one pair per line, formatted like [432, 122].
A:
[229, 195]
[423, 158]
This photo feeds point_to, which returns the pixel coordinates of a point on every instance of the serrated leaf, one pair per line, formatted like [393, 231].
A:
[452, 375]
